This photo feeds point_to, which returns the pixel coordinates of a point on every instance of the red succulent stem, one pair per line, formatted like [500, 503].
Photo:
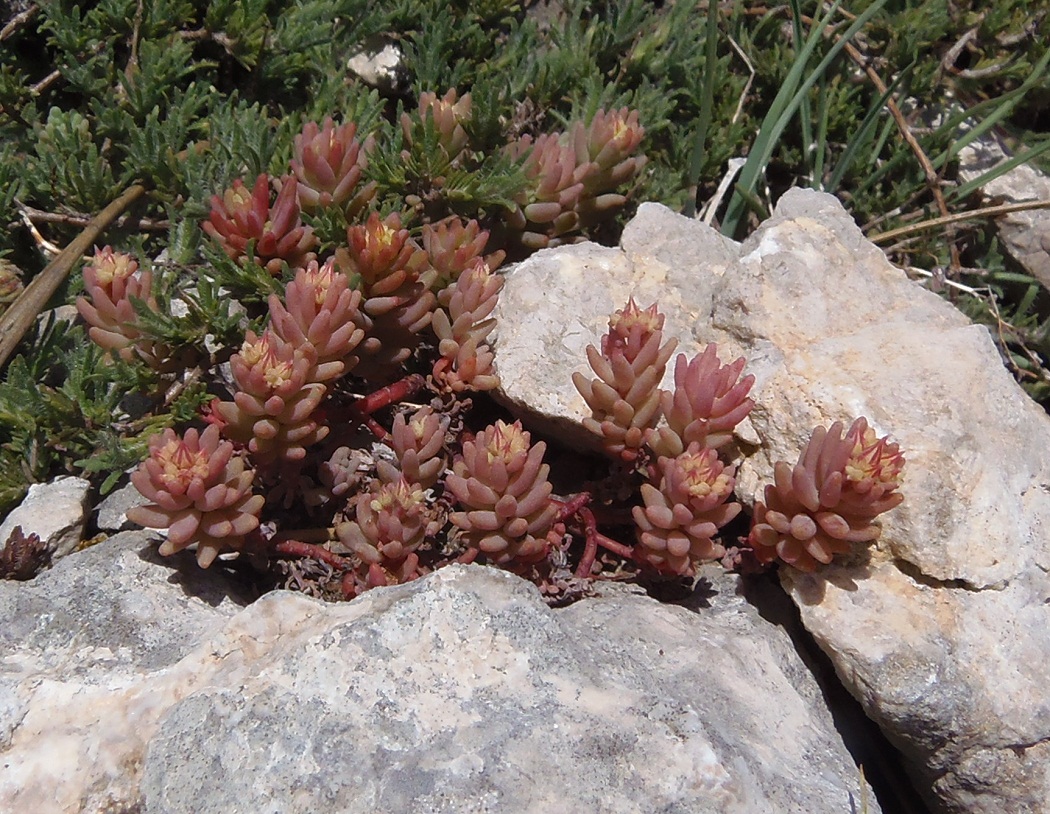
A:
[590, 551]
[297, 548]
[570, 506]
[385, 396]
[609, 544]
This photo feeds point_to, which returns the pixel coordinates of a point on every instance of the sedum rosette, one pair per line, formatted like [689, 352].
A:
[708, 401]
[501, 482]
[679, 521]
[328, 162]
[111, 281]
[273, 410]
[199, 491]
[390, 523]
[241, 216]
[386, 266]
[418, 442]
[829, 499]
[320, 309]
[462, 327]
[625, 398]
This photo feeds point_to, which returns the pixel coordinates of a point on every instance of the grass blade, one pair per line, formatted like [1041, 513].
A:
[786, 104]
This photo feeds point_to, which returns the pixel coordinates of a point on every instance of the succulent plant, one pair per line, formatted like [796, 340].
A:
[680, 518]
[417, 441]
[111, 280]
[829, 499]
[574, 176]
[320, 309]
[23, 555]
[446, 115]
[547, 210]
[625, 398]
[386, 266]
[466, 361]
[328, 162]
[345, 469]
[708, 401]
[501, 482]
[390, 523]
[273, 410]
[241, 216]
[199, 491]
[605, 159]
[452, 247]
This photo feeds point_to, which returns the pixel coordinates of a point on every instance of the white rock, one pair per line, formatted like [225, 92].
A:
[54, 511]
[124, 688]
[379, 65]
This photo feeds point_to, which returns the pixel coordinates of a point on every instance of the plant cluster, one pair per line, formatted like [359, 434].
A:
[351, 234]
[448, 495]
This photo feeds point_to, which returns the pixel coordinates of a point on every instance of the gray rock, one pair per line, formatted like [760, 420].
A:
[941, 634]
[1026, 234]
[128, 685]
[94, 650]
[111, 514]
[54, 511]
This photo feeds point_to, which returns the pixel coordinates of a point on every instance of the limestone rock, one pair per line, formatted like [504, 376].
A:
[53, 511]
[128, 685]
[111, 512]
[94, 650]
[1025, 234]
[940, 634]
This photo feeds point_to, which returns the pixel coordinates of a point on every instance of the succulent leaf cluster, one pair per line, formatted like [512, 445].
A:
[200, 491]
[387, 267]
[682, 514]
[320, 309]
[625, 397]
[708, 401]
[501, 483]
[462, 326]
[329, 162]
[573, 176]
[389, 525]
[273, 410]
[276, 233]
[418, 442]
[829, 499]
[452, 247]
[112, 282]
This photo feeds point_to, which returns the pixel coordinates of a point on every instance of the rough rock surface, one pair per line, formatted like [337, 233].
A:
[1025, 234]
[129, 684]
[54, 511]
[940, 630]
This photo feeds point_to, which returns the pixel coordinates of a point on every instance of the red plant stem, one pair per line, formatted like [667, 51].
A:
[609, 544]
[571, 506]
[590, 551]
[297, 548]
[385, 396]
